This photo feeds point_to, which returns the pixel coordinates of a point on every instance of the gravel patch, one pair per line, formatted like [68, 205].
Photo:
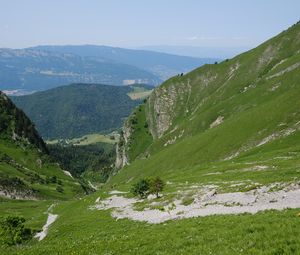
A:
[51, 218]
[206, 202]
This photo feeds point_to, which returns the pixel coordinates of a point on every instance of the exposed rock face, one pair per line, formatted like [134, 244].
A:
[217, 122]
[161, 108]
[17, 194]
[162, 104]
[122, 146]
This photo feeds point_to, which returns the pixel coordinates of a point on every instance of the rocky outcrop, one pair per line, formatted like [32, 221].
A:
[164, 104]
[122, 146]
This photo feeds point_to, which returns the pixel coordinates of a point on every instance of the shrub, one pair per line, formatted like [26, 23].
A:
[13, 230]
[141, 188]
[53, 179]
[59, 189]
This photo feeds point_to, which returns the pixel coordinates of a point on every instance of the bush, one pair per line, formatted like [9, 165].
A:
[13, 230]
[141, 188]
[59, 189]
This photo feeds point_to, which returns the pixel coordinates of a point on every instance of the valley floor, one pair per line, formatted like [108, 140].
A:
[80, 229]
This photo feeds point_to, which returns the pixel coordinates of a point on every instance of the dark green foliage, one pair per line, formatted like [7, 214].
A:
[144, 187]
[79, 159]
[78, 109]
[13, 230]
[14, 124]
[141, 188]
[156, 185]
[13, 182]
[59, 189]
[53, 179]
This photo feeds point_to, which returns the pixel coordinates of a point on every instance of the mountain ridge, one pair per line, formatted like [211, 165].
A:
[43, 67]
[198, 111]
[31, 70]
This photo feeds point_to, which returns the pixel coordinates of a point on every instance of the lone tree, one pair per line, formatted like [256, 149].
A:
[141, 188]
[156, 185]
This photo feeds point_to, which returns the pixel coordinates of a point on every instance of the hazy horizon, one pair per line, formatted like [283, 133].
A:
[132, 24]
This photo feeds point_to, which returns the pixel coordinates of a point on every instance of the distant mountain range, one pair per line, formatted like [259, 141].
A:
[43, 67]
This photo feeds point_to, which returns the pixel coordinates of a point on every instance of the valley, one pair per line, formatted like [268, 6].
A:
[208, 162]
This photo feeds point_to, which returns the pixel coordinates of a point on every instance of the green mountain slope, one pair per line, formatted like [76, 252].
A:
[241, 111]
[80, 109]
[26, 171]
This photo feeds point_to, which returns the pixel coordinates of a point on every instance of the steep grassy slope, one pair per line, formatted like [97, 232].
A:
[79, 109]
[26, 171]
[244, 110]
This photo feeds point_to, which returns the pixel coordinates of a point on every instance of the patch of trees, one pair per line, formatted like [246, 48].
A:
[144, 187]
[12, 182]
[79, 159]
[13, 231]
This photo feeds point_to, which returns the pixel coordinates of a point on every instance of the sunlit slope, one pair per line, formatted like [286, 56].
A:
[245, 109]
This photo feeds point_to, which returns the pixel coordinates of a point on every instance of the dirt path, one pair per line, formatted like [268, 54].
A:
[51, 218]
[205, 204]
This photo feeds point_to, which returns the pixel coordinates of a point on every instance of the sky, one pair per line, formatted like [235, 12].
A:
[138, 23]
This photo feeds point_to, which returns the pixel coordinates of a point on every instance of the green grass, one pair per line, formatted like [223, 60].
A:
[79, 230]
[139, 93]
[28, 158]
[86, 140]
[188, 105]
[141, 137]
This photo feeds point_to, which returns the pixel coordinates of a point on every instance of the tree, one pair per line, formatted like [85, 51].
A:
[13, 230]
[156, 185]
[141, 188]
[144, 187]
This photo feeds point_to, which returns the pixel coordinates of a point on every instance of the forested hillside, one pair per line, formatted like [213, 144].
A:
[26, 170]
[79, 109]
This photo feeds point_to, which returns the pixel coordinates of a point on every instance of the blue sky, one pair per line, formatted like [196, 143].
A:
[134, 23]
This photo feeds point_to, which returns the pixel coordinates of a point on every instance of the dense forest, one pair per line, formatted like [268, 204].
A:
[93, 162]
[78, 109]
